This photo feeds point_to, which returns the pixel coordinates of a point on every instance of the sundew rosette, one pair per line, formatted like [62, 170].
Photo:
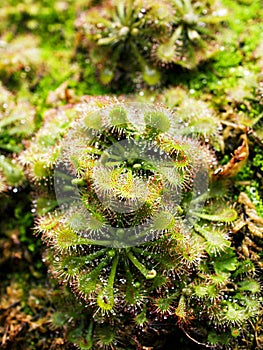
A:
[140, 40]
[129, 187]
[126, 174]
[141, 233]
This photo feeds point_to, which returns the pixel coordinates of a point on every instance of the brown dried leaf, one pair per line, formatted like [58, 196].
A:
[236, 162]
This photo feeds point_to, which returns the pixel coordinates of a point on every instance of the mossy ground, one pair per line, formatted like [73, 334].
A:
[231, 82]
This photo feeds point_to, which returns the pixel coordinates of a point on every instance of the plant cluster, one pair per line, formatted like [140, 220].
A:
[137, 237]
[148, 37]
[16, 124]
[19, 58]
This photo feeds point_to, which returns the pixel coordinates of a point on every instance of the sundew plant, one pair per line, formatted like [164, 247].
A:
[141, 233]
[148, 37]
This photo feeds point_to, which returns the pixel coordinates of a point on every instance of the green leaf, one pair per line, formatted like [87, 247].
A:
[226, 262]
[226, 215]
